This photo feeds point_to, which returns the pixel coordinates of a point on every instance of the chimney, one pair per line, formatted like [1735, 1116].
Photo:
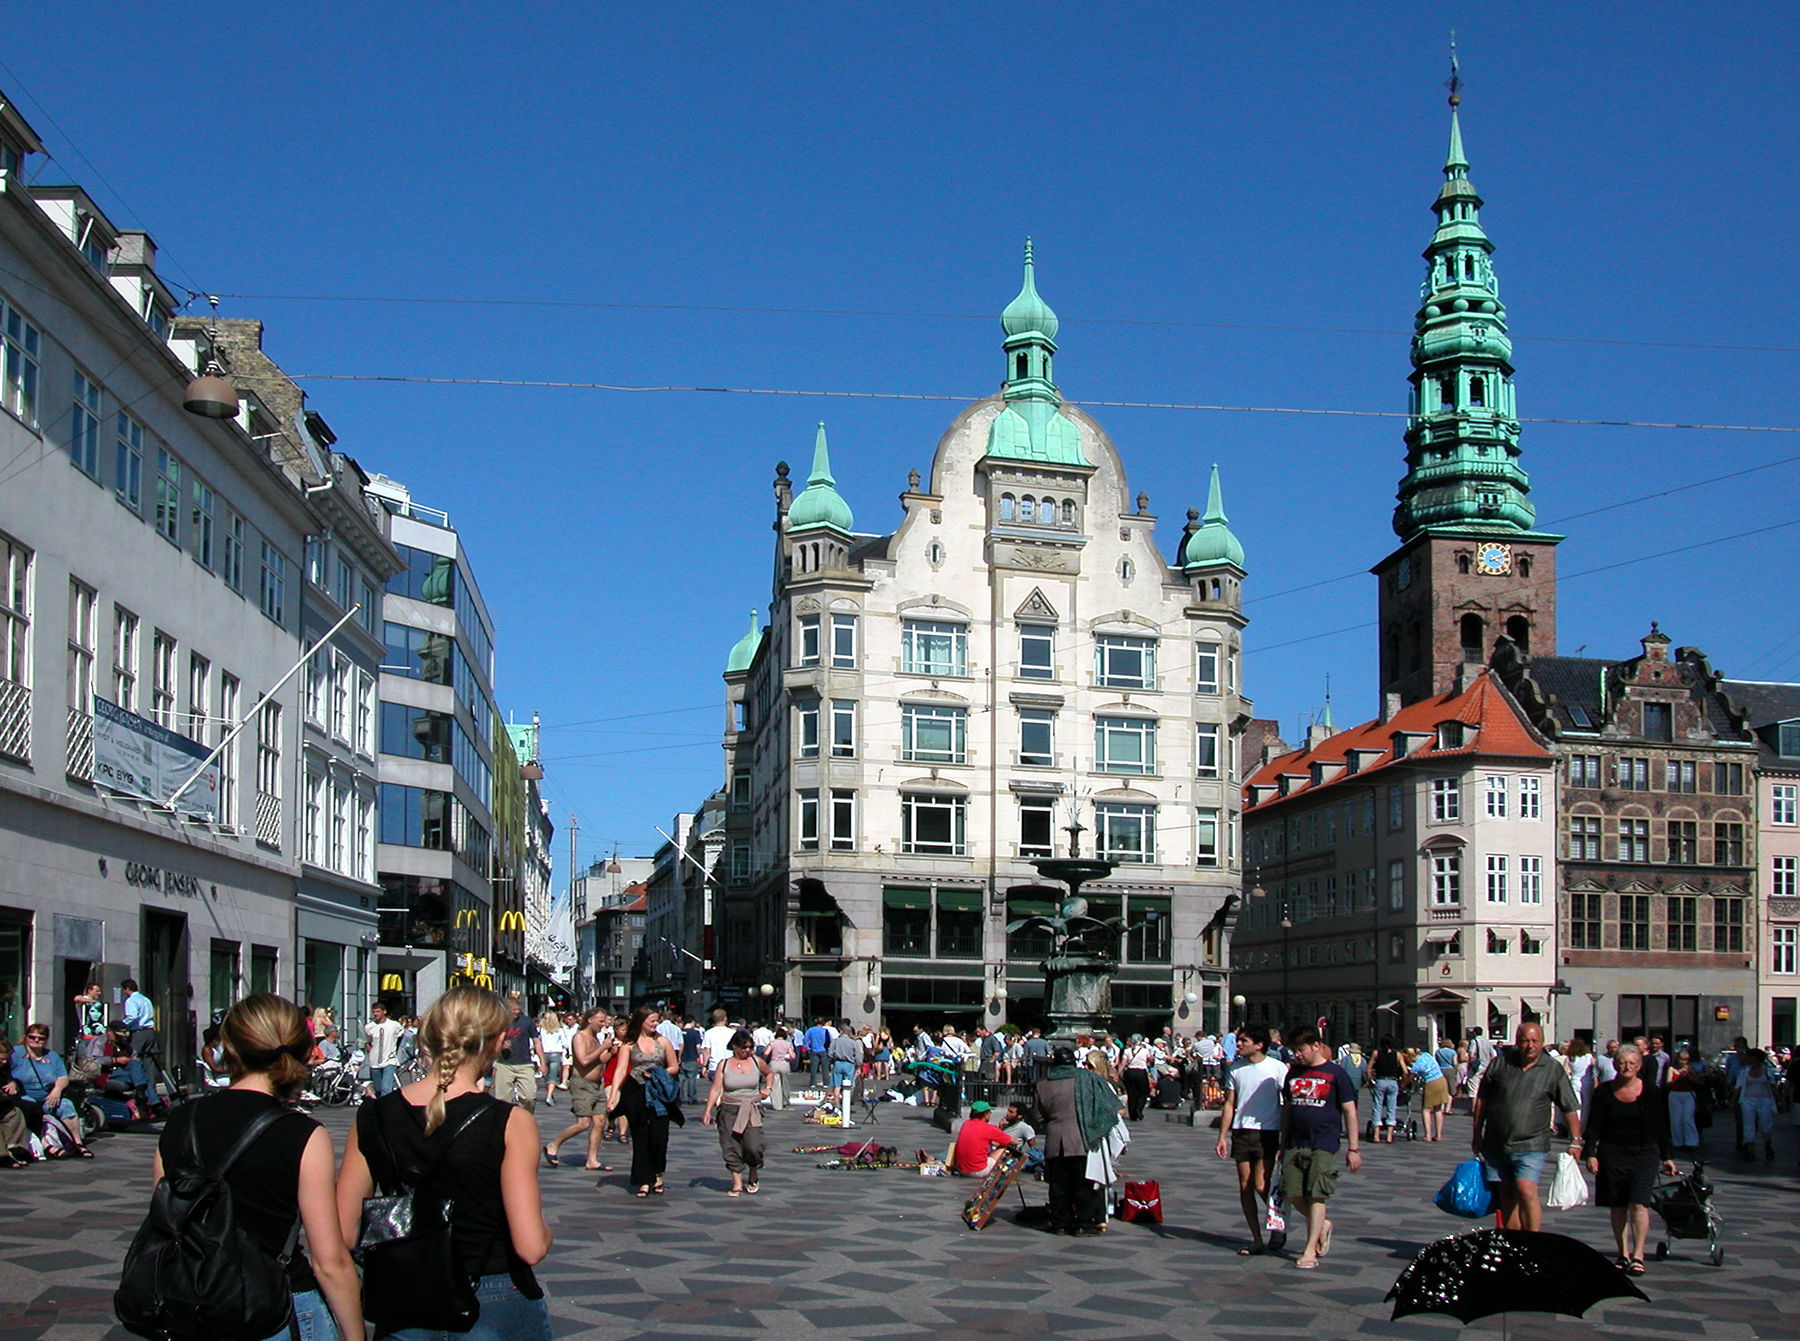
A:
[1390, 705]
[1317, 734]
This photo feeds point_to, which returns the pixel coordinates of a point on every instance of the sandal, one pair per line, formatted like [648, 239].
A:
[750, 1188]
[551, 1159]
[658, 1189]
[641, 1192]
[1252, 1250]
[1325, 1239]
[734, 1193]
[598, 1168]
[1636, 1268]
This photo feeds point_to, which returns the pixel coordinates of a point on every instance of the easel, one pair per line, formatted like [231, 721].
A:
[979, 1209]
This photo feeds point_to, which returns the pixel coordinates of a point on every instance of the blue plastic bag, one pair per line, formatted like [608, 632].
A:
[1466, 1193]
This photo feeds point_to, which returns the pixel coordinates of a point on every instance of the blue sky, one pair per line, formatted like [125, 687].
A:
[1228, 205]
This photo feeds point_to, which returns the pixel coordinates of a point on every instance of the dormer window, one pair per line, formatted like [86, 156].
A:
[91, 241]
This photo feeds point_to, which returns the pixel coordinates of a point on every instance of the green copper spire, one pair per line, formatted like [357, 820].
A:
[743, 651]
[1032, 427]
[820, 504]
[1211, 542]
[1462, 438]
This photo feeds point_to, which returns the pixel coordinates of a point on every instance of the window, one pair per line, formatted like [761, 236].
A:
[1124, 745]
[1728, 844]
[344, 582]
[125, 658]
[959, 924]
[1446, 879]
[1784, 800]
[341, 680]
[1684, 922]
[1125, 833]
[1728, 925]
[809, 641]
[168, 495]
[843, 820]
[1206, 750]
[229, 695]
[365, 836]
[1684, 842]
[1037, 737]
[364, 742]
[1584, 838]
[1206, 837]
[932, 733]
[128, 475]
[274, 584]
[843, 642]
[1634, 921]
[1531, 879]
[928, 648]
[1124, 663]
[906, 921]
[1496, 879]
[1634, 775]
[312, 696]
[1446, 799]
[740, 789]
[313, 818]
[1037, 652]
[1037, 826]
[843, 728]
[162, 679]
[1396, 799]
[1530, 798]
[1584, 770]
[81, 647]
[1659, 721]
[199, 695]
[808, 820]
[201, 526]
[1529, 944]
[740, 862]
[1008, 504]
[1634, 840]
[1728, 779]
[1784, 878]
[20, 344]
[84, 427]
[1681, 775]
[368, 611]
[268, 774]
[1206, 666]
[231, 552]
[932, 824]
[806, 717]
[1497, 942]
[1787, 738]
[1784, 946]
[1584, 921]
[1494, 790]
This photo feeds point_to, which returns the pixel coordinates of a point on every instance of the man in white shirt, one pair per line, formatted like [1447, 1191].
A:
[1250, 1128]
[381, 1041]
[715, 1044]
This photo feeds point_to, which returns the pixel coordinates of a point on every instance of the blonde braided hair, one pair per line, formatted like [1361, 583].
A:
[461, 1026]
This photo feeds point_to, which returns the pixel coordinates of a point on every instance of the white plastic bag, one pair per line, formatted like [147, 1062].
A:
[1568, 1189]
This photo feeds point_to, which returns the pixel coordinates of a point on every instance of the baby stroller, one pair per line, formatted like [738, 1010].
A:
[1685, 1204]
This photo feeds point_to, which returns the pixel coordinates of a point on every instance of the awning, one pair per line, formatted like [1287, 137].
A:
[896, 896]
[1534, 1005]
[959, 900]
[1029, 908]
[1442, 996]
[1442, 935]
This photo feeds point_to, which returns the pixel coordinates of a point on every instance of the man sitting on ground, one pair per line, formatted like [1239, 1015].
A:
[978, 1142]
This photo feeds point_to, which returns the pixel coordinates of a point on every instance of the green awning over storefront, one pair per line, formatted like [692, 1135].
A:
[901, 896]
[959, 900]
[1017, 908]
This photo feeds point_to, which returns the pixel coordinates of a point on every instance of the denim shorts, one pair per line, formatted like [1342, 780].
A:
[312, 1318]
[1524, 1166]
[843, 1073]
[506, 1315]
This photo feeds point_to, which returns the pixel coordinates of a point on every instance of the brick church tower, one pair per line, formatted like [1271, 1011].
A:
[1469, 567]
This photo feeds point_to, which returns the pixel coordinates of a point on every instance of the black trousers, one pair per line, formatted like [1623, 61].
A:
[1137, 1091]
[1074, 1201]
[649, 1136]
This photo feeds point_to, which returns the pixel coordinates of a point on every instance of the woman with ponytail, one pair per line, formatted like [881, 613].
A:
[485, 1152]
[285, 1174]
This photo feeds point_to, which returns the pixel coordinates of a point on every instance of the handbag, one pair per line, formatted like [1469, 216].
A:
[1143, 1201]
[1466, 1192]
[406, 1246]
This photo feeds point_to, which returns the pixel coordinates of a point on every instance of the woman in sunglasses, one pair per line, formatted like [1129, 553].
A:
[44, 1080]
[739, 1086]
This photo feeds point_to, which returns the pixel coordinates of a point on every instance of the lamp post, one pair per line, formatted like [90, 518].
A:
[1237, 1010]
[1287, 925]
[1594, 1018]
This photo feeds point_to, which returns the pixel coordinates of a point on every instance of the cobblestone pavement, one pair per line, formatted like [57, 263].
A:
[820, 1253]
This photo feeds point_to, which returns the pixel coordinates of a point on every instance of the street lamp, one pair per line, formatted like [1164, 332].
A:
[1237, 1008]
[1594, 1019]
[1287, 925]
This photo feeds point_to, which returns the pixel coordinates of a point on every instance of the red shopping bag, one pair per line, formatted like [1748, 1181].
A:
[1143, 1201]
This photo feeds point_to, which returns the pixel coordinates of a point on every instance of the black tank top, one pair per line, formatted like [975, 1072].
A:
[469, 1175]
[265, 1181]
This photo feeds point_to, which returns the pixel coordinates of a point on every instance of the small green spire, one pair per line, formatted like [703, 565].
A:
[1455, 164]
[743, 652]
[819, 503]
[1032, 427]
[1028, 312]
[1211, 542]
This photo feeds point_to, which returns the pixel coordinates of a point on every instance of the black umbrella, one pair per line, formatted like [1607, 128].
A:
[1492, 1271]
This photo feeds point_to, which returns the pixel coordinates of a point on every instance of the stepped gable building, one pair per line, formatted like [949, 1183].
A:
[1014, 665]
[1658, 815]
[1400, 874]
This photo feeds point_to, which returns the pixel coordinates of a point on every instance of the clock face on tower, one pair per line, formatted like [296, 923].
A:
[1493, 559]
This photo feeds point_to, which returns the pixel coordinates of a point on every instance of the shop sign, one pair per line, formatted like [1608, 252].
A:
[155, 877]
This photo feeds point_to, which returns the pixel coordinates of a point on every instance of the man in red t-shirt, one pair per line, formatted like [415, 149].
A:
[976, 1140]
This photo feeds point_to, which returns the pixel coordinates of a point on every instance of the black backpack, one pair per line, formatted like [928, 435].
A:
[192, 1271]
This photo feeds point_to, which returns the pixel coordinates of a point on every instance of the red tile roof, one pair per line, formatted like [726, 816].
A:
[1492, 721]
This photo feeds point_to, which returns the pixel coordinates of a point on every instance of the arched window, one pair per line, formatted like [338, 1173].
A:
[1474, 636]
[1468, 267]
[1518, 628]
[1028, 509]
[1524, 565]
[1478, 391]
[1020, 365]
[1462, 563]
[1068, 512]
[1447, 392]
[1125, 570]
[1007, 504]
[1047, 512]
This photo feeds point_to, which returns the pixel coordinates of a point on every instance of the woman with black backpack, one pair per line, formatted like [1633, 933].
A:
[279, 1182]
[443, 1140]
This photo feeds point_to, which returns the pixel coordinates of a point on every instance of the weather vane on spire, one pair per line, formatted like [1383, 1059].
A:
[1454, 82]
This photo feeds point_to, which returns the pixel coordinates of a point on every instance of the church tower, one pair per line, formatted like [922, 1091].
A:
[1469, 568]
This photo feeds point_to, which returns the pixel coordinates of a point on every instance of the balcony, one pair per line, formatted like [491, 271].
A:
[15, 720]
[268, 820]
[81, 746]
